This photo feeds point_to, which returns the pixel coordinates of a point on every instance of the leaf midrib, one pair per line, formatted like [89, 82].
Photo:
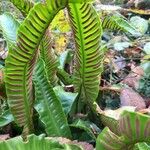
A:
[78, 19]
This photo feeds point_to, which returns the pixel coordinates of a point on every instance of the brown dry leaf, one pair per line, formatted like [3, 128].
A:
[144, 111]
[133, 78]
[3, 54]
[2, 44]
[147, 101]
[118, 63]
[4, 137]
[129, 97]
[61, 140]
[133, 51]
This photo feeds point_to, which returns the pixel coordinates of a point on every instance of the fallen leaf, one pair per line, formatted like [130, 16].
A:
[118, 63]
[3, 54]
[61, 140]
[146, 48]
[140, 24]
[147, 101]
[129, 97]
[120, 46]
[4, 137]
[133, 78]
[144, 111]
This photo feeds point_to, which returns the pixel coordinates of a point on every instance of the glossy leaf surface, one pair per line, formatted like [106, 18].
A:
[87, 32]
[48, 105]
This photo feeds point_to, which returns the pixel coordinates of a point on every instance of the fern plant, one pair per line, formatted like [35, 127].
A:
[130, 129]
[87, 30]
[37, 143]
[31, 59]
[23, 56]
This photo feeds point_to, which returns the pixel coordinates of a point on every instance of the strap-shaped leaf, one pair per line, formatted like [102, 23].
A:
[119, 23]
[65, 58]
[107, 140]
[111, 123]
[48, 105]
[110, 118]
[36, 143]
[135, 126]
[67, 98]
[9, 26]
[142, 146]
[21, 60]
[65, 77]
[23, 5]
[47, 53]
[49, 57]
[86, 26]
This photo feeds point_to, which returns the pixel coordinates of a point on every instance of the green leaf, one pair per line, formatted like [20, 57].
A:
[23, 5]
[107, 140]
[48, 105]
[147, 48]
[35, 143]
[49, 57]
[9, 26]
[110, 118]
[133, 127]
[64, 77]
[142, 146]
[6, 118]
[140, 24]
[80, 1]
[45, 47]
[119, 23]
[86, 26]
[21, 59]
[84, 125]
[64, 58]
[67, 98]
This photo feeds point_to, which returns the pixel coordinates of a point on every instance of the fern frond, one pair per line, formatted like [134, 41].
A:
[119, 23]
[21, 59]
[49, 57]
[86, 26]
[23, 5]
[48, 105]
